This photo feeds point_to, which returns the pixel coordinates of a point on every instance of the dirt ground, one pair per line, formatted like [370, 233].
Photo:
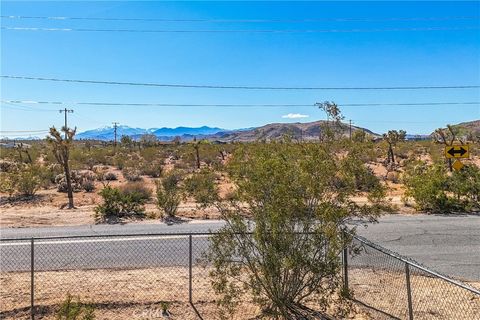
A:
[138, 294]
[47, 206]
[121, 294]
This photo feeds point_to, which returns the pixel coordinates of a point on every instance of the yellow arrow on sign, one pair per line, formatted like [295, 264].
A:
[457, 151]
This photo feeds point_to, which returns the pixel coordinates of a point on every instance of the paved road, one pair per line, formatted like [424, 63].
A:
[448, 244]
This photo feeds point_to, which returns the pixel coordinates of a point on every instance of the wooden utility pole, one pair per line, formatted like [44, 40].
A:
[350, 121]
[65, 110]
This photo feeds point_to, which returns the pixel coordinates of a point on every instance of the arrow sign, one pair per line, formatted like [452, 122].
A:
[458, 151]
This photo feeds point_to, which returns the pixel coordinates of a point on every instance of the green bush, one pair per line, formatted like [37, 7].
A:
[27, 181]
[7, 183]
[151, 169]
[124, 201]
[75, 310]
[201, 186]
[169, 194]
[434, 189]
[465, 186]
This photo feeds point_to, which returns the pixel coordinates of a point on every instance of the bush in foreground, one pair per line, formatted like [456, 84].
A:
[295, 201]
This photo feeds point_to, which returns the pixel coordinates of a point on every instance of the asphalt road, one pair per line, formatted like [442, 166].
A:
[448, 244]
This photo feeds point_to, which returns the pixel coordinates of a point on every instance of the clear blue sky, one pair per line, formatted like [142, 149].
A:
[400, 58]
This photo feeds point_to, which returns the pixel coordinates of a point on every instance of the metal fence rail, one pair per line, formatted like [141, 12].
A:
[144, 276]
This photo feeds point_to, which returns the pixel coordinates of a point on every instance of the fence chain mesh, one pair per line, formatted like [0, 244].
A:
[150, 276]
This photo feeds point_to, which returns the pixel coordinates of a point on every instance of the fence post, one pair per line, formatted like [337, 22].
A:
[190, 269]
[32, 277]
[345, 268]
[409, 291]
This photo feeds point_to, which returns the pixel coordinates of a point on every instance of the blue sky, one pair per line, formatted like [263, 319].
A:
[396, 58]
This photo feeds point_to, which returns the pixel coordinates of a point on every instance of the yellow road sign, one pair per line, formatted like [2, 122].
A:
[457, 165]
[457, 151]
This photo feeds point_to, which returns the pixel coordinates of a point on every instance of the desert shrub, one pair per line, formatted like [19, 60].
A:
[136, 190]
[88, 186]
[151, 169]
[465, 187]
[435, 190]
[284, 228]
[81, 180]
[8, 166]
[131, 174]
[7, 183]
[125, 201]
[71, 309]
[355, 175]
[27, 181]
[427, 185]
[110, 176]
[201, 186]
[169, 194]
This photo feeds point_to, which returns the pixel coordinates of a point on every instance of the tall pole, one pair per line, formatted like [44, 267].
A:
[350, 121]
[65, 110]
[115, 134]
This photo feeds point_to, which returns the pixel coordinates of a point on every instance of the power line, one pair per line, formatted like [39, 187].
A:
[237, 87]
[23, 131]
[120, 104]
[291, 31]
[242, 20]
[21, 107]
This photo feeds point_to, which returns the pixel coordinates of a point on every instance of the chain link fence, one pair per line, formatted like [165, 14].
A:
[391, 286]
[150, 276]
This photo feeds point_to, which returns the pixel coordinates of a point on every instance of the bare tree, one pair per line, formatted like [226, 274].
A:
[61, 150]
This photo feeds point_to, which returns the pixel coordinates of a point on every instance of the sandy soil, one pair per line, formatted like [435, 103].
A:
[137, 294]
[46, 208]
[121, 294]
[432, 298]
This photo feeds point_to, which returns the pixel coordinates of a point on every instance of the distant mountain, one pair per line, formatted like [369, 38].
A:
[108, 133]
[467, 129]
[470, 127]
[179, 131]
[275, 131]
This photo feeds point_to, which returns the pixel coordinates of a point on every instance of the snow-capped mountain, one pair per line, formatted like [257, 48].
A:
[108, 133]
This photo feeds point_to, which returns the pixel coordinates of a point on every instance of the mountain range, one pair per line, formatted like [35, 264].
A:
[108, 133]
[306, 131]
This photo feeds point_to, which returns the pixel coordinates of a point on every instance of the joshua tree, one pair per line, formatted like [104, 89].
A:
[61, 150]
[447, 136]
[392, 138]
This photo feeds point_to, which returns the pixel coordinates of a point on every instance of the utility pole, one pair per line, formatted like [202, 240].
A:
[65, 110]
[350, 121]
[115, 133]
